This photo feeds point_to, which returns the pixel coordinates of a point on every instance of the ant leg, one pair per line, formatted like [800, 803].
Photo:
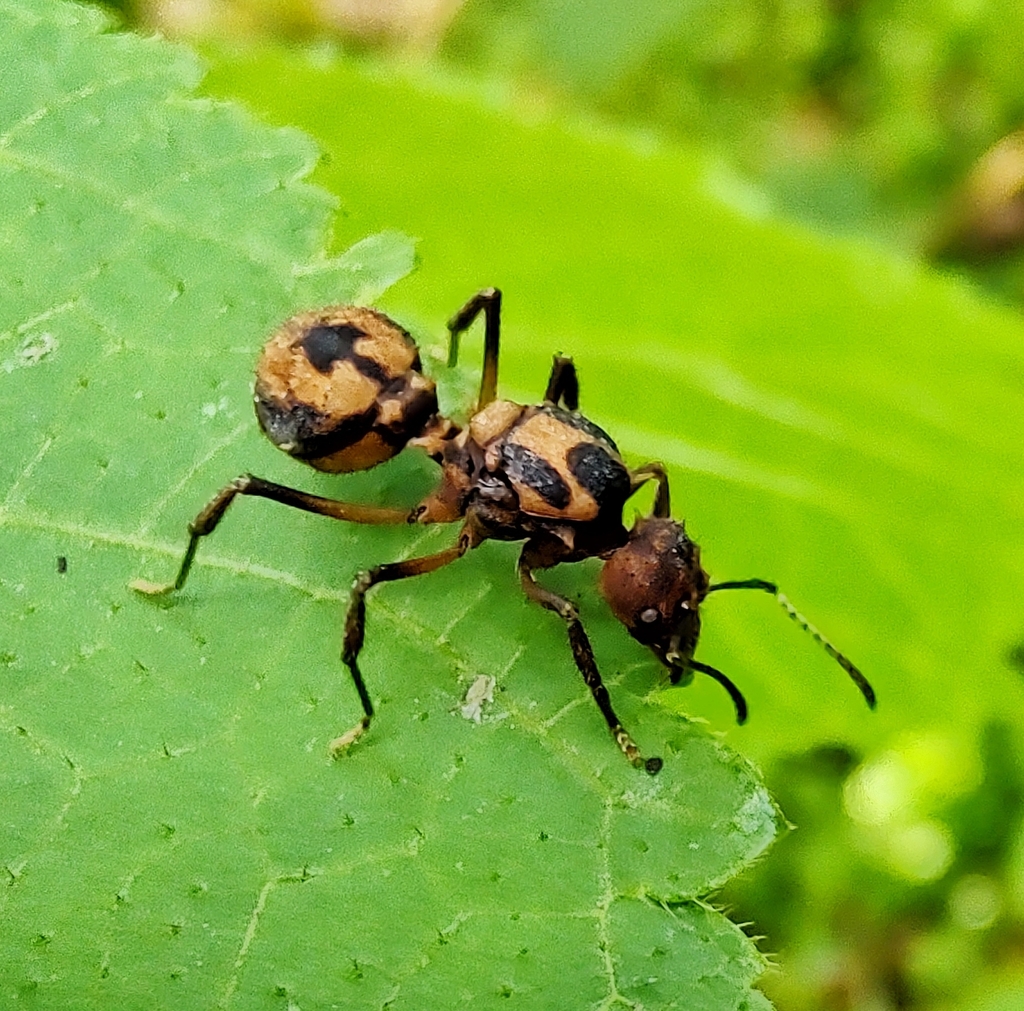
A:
[355, 623]
[206, 522]
[583, 654]
[762, 584]
[564, 384]
[488, 302]
[656, 471]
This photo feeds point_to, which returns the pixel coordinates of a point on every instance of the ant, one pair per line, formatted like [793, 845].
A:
[342, 389]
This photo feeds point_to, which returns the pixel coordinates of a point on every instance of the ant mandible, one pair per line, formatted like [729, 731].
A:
[342, 389]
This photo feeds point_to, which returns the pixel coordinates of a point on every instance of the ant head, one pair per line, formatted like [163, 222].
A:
[654, 584]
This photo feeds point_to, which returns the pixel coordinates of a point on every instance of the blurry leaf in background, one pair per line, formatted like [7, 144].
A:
[172, 831]
[857, 118]
[865, 914]
[980, 228]
[988, 218]
[588, 45]
[854, 116]
[412, 26]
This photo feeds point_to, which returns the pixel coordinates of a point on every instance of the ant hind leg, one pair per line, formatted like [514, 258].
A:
[206, 522]
[488, 302]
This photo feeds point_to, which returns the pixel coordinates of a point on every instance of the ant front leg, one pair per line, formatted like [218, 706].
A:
[583, 654]
[488, 302]
[206, 522]
[355, 623]
[563, 384]
[654, 471]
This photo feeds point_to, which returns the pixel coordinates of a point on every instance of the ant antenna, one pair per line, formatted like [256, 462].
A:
[734, 693]
[761, 584]
[677, 670]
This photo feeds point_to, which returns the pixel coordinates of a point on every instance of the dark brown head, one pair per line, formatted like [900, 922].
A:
[341, 388]
[655, 585]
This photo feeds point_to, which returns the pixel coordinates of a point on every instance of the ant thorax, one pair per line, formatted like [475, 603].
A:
[520, 472]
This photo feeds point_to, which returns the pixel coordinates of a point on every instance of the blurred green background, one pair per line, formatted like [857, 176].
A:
[893, 120]
[832, 160]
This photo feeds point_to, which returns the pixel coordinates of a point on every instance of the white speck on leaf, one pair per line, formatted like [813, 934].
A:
[480, 692]
[212, 410]
[755, 814]
[32, 351]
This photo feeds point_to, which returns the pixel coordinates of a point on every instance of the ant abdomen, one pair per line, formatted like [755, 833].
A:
[342, 388]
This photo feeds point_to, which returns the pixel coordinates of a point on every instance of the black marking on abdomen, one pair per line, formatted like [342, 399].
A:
[325, 345]
[604, 476]
[308, 432]
[525, 467]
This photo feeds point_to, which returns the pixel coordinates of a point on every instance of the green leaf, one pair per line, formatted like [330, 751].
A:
[173, 832]
[997, 995]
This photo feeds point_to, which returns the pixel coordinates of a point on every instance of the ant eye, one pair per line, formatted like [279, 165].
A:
[650, 615]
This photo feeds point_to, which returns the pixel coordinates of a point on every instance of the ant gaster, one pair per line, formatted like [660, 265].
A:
[343, 389]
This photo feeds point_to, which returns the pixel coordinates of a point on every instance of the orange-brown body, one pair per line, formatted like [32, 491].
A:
[518, 472]
[342, 388]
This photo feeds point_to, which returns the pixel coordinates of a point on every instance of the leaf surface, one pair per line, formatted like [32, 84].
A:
[173, 832]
